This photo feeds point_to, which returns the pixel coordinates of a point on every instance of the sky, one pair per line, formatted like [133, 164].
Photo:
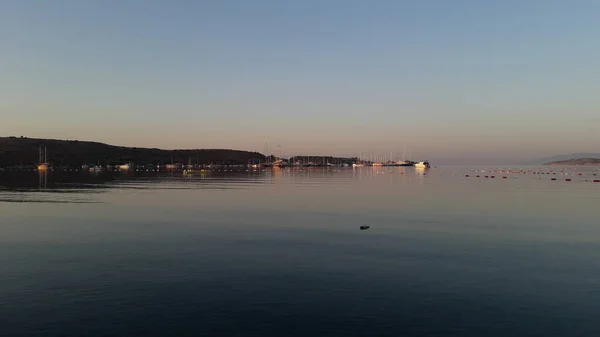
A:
[462, 80]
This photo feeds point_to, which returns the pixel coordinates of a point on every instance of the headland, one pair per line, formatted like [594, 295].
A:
[17, 151]
[576, 161]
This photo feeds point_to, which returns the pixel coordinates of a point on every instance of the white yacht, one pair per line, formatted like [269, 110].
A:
[422, 164]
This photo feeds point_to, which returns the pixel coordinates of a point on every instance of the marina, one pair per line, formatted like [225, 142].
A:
[270, 161]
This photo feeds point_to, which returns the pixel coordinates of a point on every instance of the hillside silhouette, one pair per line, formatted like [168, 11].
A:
[25, 151]
[576, 161]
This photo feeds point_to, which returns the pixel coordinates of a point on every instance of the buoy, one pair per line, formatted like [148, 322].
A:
[503, 177]
[493, 177]
[553, 179]
[567, 179]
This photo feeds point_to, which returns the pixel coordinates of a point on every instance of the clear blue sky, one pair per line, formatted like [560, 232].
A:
[451, 79]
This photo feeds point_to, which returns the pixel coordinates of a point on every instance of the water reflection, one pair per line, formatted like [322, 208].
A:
[229, 253]
[289, 178]
[43, 179]
[421, 173]
[52, 181]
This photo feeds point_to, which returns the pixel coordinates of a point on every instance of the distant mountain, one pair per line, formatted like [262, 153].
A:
[25, 151]
[579, 161]
[564, 157]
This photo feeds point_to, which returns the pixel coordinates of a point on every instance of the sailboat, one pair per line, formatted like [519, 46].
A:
[96, 168]
[43, 166]
[359, 161]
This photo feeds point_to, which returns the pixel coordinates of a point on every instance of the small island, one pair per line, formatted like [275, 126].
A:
[576, 161]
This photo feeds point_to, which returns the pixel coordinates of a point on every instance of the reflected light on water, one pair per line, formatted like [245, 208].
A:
[257, 252]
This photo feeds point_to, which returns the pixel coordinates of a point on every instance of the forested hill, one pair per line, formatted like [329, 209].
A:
[25, 151]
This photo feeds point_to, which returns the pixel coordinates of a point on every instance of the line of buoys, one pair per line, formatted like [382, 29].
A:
[566, 173]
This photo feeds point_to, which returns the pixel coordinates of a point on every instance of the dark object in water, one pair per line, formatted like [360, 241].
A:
[362, 228]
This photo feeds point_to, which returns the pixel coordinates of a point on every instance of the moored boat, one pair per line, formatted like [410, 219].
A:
[192, 172]
[422, 164]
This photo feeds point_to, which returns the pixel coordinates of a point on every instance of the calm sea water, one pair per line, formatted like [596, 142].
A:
[280, 253]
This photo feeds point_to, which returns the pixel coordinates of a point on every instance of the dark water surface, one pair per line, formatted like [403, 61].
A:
[281, 254]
